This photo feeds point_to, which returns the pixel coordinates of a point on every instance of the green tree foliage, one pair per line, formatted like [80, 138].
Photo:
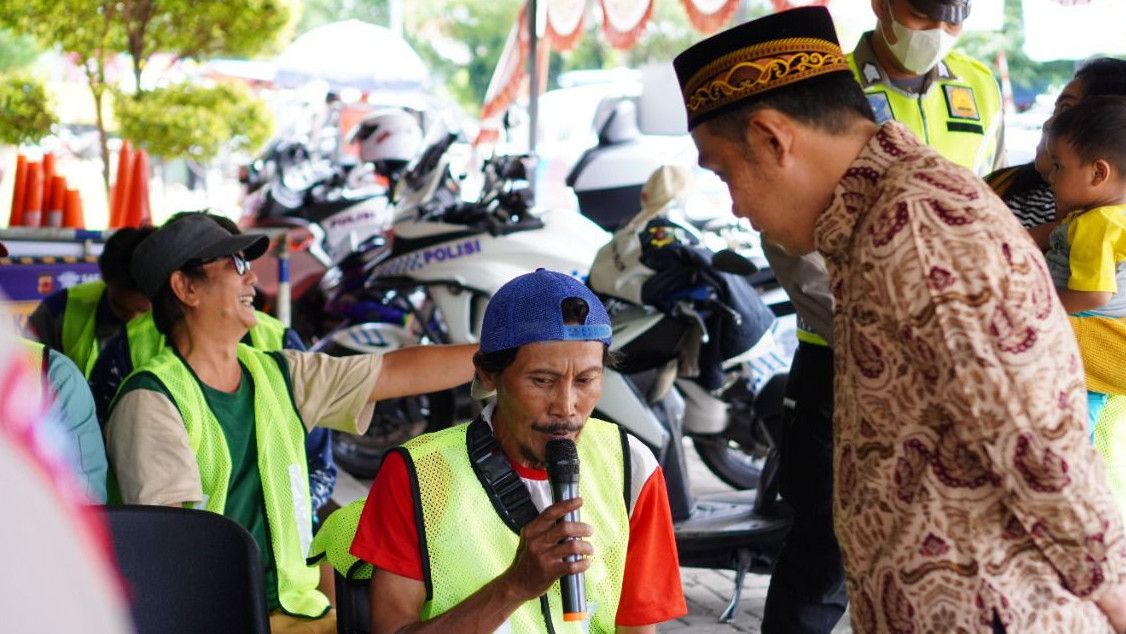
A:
[25, 113]
[196, 122]
[16, 51]
[95, 30]
[199, 28]
[316, 13]
[480, 26]
[1023, 72]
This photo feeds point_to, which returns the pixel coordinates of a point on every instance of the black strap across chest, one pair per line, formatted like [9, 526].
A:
[501, 482]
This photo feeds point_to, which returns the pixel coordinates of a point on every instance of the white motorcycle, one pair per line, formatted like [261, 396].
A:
[446, 259]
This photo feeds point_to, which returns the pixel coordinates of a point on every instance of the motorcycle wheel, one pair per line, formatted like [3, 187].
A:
[393, 422]
[729, 461]
[737, 455]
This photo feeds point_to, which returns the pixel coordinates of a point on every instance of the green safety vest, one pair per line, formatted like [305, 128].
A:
[959, 114]
[280, 435]
[145, 341]
[79, 341]
[465, 544]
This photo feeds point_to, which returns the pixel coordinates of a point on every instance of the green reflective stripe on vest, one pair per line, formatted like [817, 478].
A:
[968, 141]
[81, 310]
[334, 541]
[145, 341]
[280, 435]
[268, 333]
[452, 499]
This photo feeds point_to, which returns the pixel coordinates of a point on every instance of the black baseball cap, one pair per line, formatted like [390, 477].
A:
[949, 11]
[189, 237]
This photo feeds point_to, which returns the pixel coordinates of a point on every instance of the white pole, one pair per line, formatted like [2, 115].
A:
[533, 74]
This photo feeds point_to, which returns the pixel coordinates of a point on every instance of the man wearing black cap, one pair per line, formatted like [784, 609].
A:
[214, 423]
[79, 321]
[966, 496]
[460, 524]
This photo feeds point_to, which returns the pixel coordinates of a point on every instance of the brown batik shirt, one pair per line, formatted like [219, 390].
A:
[964, 482]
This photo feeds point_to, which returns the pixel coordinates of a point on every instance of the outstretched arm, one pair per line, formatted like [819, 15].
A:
[423, 369]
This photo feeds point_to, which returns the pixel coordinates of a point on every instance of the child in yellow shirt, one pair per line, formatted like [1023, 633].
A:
[1087, 252]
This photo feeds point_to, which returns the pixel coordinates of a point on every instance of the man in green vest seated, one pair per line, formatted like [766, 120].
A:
[78, 321]
[448, 558]
[213, 423]
[140, 340]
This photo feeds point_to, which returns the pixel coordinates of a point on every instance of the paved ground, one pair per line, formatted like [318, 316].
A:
[707, 592]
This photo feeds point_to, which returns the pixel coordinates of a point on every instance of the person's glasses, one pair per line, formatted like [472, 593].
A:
[242, 265]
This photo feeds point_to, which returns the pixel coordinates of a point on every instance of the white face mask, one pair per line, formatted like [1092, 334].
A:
[919, 51]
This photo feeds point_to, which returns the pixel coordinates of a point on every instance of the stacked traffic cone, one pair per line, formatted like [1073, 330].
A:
[73, 215]
[56, 201]
[129, 199]
[33, 196]
[137, 212]
[120, 192]
[15, 219]
[39, 201]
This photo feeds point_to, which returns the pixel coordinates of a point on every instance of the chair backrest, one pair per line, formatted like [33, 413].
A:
[353, 605]
[188, 571]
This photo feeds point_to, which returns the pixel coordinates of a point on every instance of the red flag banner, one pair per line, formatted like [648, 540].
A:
[565, 23]
[623, 21]
[782, 5]
[709, 16]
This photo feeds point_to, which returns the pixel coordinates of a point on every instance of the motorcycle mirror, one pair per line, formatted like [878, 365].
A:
[729, 261]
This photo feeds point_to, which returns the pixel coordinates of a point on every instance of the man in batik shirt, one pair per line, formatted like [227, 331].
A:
[966, 495]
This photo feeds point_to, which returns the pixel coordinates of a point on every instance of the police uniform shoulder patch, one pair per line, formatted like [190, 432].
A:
[870, 73]
[961, 103]
[881, 106]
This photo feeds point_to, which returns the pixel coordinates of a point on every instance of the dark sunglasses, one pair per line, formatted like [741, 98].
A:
[242, 265]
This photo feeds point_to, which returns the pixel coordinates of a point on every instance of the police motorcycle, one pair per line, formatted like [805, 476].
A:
[335, 214]
[447, 256]
[703, 358]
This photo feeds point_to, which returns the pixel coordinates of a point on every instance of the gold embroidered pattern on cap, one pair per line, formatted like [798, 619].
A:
[769, 65]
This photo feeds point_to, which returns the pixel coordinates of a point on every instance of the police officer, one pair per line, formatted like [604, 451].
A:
[909, 73]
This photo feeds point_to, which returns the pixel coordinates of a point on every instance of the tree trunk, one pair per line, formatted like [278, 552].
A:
[103, 143]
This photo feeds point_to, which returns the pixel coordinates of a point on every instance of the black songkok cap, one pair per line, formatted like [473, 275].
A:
[734, 67]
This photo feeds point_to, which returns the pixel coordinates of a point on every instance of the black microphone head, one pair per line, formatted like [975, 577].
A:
[562, 460]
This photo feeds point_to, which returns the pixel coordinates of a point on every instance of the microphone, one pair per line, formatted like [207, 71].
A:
[563, 475]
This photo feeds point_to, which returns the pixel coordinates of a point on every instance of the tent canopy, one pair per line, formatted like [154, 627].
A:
[352, 54]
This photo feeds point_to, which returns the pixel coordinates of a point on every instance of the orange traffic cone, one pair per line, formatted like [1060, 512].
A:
[120, 195]
[145, 218]
[54, 209]
[48, 180]
[73, 216]
[137, 206]
[33, 196]
[15, 218]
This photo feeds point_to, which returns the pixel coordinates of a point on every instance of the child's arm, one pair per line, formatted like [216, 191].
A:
[1079, 301]
[1041, 233]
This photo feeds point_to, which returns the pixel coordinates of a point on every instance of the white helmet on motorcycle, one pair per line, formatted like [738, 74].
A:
[389, 139]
